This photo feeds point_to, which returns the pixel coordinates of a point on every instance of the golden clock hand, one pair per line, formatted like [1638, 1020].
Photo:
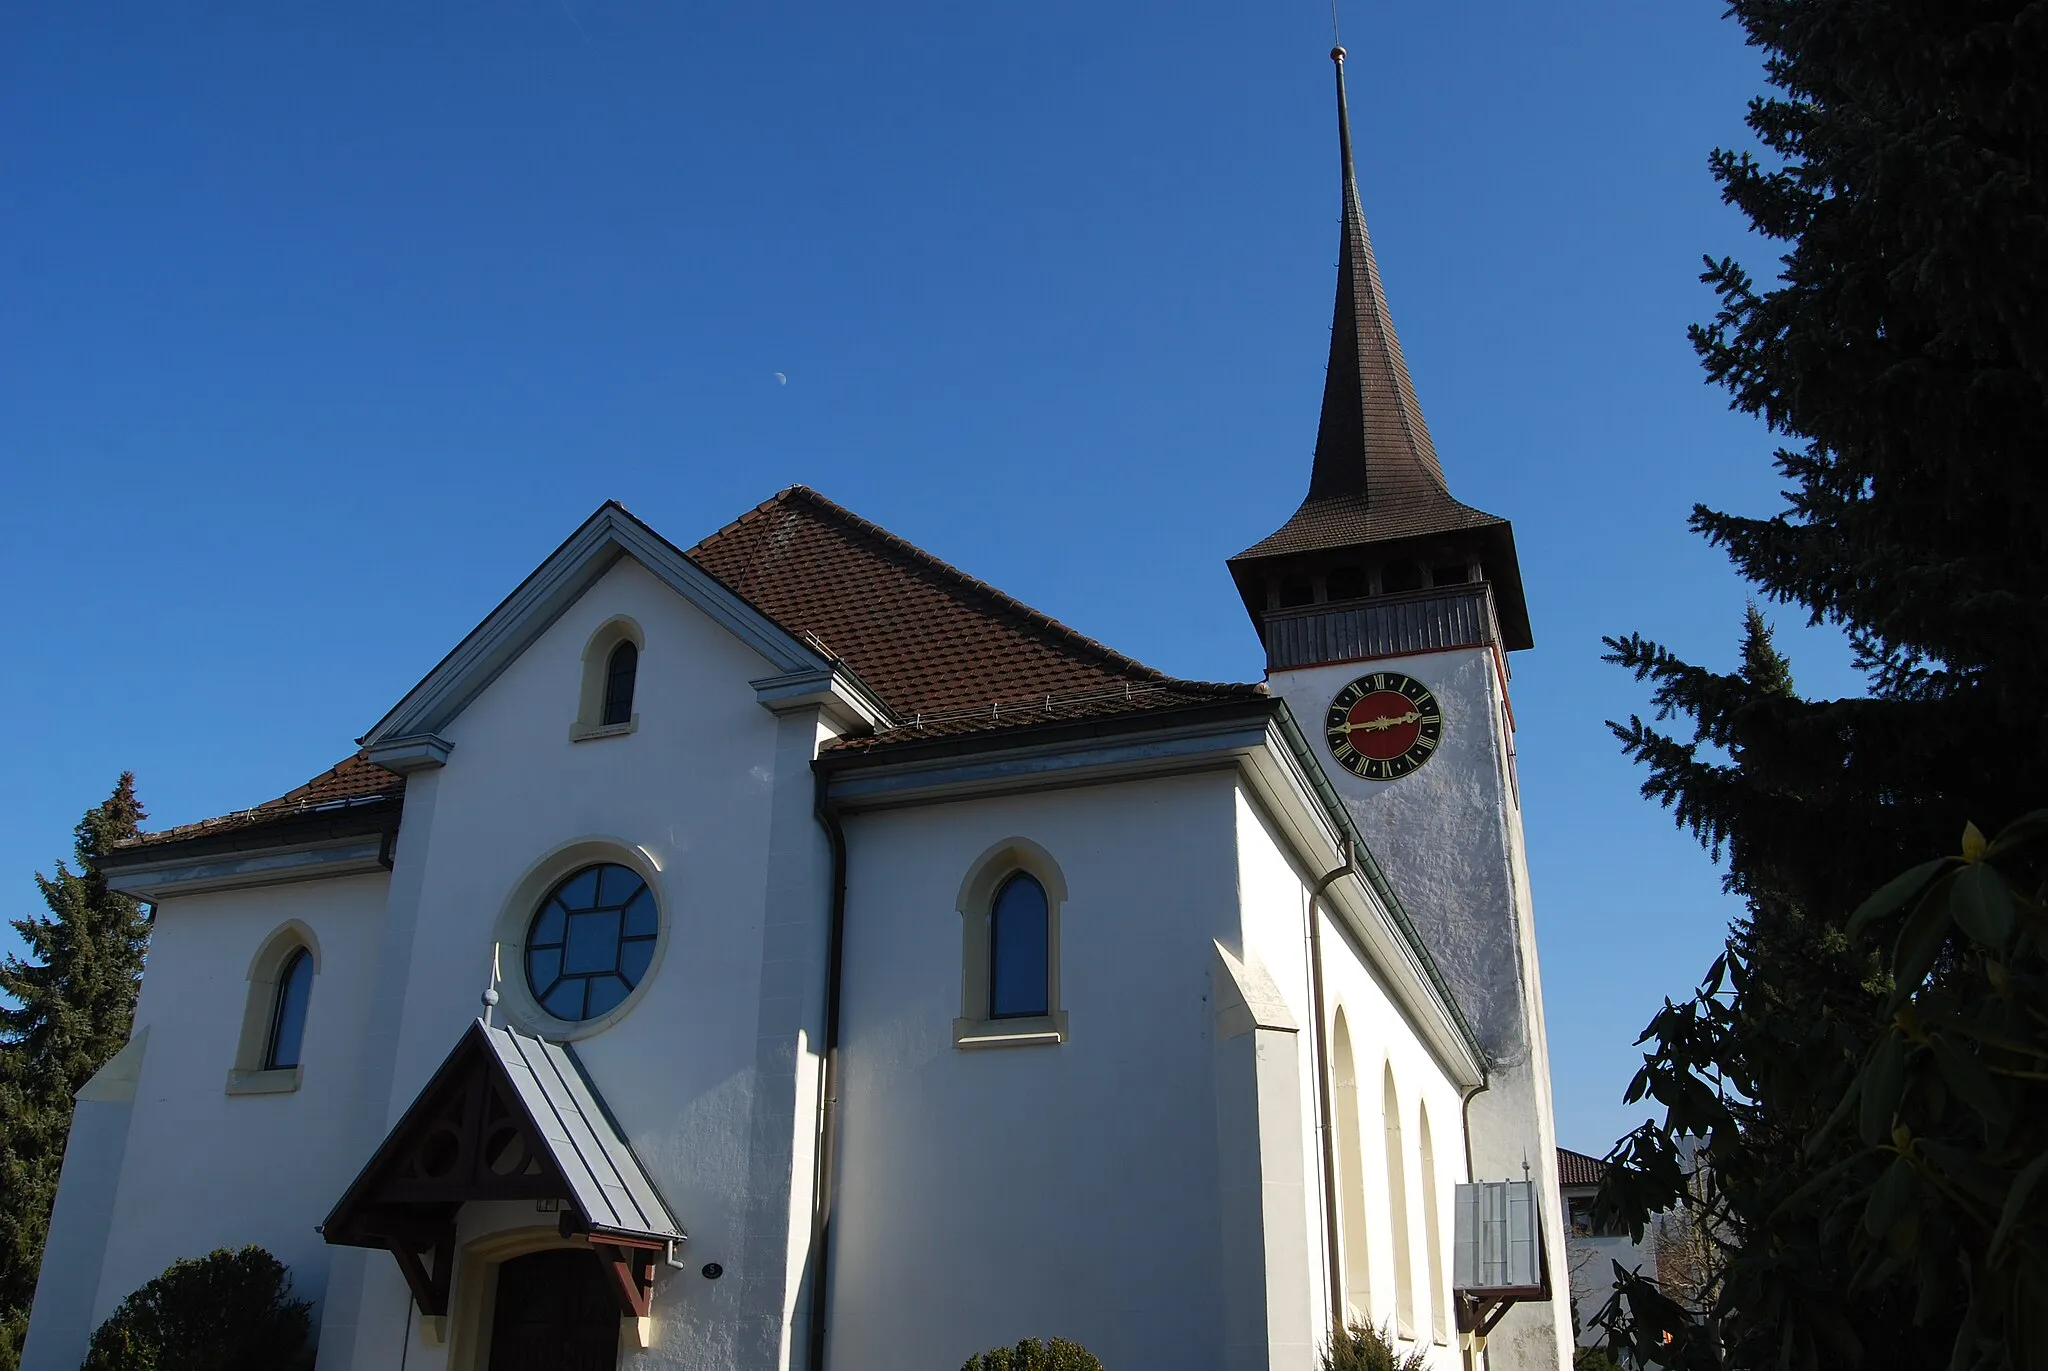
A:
[1382, 724]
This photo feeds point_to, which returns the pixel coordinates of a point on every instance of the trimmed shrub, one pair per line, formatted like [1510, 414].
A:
[225, 1311]
[1033, 1355]
[1361, 1347]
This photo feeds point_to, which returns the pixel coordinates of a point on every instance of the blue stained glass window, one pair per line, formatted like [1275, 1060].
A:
[580, 890]
[565, 1001]
[548, 927]
[605, 993]
[1020, 950]
[618, 684]
[591, 942]
[640, 916]
[288, 1019]
[633, 961]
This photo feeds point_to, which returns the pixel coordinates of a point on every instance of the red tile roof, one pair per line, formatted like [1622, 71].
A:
[946, 652]
[350, 781]
[1576, 1168]
[949, 654]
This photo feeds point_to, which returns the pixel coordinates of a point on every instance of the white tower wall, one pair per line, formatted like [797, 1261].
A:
[1449, 837]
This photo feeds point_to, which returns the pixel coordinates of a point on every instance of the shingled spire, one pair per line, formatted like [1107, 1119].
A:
[1373, 442]
[1378, 511]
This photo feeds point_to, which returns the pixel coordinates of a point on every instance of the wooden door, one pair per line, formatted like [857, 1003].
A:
[554, 1313]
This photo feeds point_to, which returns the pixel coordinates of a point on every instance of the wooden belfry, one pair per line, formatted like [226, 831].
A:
[507, 1117]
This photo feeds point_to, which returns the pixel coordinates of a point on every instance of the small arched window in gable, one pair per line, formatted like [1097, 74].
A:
[611, 671]
[1020, 950]
[619, 672]
[288, 1016]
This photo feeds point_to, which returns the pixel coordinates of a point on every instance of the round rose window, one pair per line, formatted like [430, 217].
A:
[591, 942]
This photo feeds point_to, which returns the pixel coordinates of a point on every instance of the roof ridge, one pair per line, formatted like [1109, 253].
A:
[948, 574]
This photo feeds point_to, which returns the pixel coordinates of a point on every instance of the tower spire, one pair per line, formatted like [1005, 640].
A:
[1379, 519]
[1372, 443]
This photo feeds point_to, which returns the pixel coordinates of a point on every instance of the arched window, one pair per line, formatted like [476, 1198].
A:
[1350, 1180]
[288, 1017]
[619, 672]
[1020, 950]
[611, 670]
[270, 1047]
[1433, 1239]
[1397, 1204]
[1011, 905]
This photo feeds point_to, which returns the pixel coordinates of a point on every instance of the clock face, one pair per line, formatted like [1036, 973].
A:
[1383, 726]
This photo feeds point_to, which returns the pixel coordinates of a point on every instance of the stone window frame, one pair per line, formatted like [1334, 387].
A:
[597, 660]
[986, 876]
[249, 1074]
[515, 919]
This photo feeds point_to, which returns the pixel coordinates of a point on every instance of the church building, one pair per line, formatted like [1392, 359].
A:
[878, 970]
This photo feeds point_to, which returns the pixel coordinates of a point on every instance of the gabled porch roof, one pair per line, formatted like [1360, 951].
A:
[506, 1117]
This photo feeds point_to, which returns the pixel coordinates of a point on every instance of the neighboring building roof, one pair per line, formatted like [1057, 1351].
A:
[1576, 1168]
[947, 653]
[348, 783]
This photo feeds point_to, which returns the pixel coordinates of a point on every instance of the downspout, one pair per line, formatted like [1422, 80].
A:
[1473, 1354]
[1332, 1237]
[828, 1113]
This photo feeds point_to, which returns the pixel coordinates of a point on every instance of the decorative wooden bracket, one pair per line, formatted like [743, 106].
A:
[628, 1264]
[429, 1286]
[630, 1273]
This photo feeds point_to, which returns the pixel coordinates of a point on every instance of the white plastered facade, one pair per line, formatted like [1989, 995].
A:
[1449, 837]
[1148, 1182]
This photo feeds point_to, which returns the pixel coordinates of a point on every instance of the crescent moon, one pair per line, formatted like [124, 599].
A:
[781, 379]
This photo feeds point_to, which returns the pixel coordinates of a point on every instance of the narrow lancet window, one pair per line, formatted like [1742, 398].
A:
[288, 1018]
[618, 684]
[1019, 942]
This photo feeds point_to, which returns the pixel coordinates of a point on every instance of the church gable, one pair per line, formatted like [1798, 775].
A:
[898, 644]
[406, 736]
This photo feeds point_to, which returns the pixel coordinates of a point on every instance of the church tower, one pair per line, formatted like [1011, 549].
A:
[1388, 610]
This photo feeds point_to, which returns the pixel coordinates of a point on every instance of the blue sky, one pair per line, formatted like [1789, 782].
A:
[324, 322]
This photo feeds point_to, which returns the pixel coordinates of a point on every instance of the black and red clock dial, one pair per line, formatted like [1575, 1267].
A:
[1383, 726]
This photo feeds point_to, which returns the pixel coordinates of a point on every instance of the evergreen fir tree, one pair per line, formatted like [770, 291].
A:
[71, 1002]
[1903, 349]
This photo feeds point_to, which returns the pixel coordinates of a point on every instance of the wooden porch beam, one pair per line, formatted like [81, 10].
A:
[631, 1275]
[429, 1286]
